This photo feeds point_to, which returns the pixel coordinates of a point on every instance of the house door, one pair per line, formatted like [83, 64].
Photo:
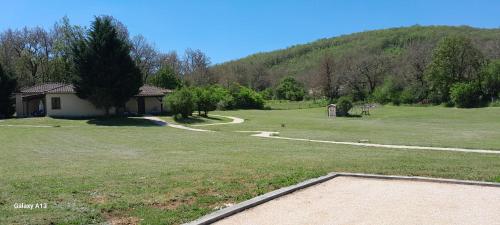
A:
[141, 105]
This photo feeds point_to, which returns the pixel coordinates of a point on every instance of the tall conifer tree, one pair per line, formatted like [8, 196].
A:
[7, 87]
[106, 75]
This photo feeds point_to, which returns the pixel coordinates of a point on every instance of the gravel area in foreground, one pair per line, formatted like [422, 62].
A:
[352, 200]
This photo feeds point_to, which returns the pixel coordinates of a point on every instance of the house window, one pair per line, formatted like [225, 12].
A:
[56, 103]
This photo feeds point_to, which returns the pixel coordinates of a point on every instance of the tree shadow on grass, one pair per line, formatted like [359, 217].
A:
[196, 119]
[121, 121]
[353, 116]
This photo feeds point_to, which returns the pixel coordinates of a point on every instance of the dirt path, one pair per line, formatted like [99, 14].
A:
[161, 122]
[349, 200]
[270, 134]
[236, 120]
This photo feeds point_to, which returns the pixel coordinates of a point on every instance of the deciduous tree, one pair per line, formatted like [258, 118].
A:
[454, 60]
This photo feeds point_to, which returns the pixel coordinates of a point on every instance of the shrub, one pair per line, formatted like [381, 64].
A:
[246, 98]
[344, 104]
[224, 98]
[465, 95]
[267, 94]
[181, 102]
[205, 100]
[413, 94]
[388, 92]
[495, 103]
[290, 89]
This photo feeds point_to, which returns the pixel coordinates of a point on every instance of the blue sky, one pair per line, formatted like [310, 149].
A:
[228, 30]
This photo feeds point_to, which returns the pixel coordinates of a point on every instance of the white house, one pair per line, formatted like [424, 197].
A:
[60, 100]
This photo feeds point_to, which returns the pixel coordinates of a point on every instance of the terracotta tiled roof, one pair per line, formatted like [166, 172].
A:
[148, 90]
[41, 88]
[61, 88]
[65, 89]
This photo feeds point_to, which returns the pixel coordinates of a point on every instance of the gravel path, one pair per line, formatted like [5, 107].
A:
[236, 120]
[270, 134]
[161, 122]
[349, 200]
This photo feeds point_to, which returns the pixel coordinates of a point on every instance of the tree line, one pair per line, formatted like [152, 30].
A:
[107, 68]
[451, 65]
[104, 63]
[403, 65]
[36, 55]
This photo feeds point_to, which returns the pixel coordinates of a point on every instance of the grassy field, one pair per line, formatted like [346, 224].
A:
[425, 126]
[90, 171]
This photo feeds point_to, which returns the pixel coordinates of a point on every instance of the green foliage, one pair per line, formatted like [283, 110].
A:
[246, 98]
[106, 75]
[491, 80]
[224, 98]
[7, 87]
[267, 94]
[165, 78]
[466, 95]
[344, 104]
[206, 99]
[413, 94]
[388, 92]
[454, 60]
[495, 103]
[409, 50]
[182, 101]
[290, 89]
[287, 104]
[209, 98]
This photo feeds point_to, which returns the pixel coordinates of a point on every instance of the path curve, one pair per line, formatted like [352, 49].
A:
[161, 122]
[236, 120]
[271, 134]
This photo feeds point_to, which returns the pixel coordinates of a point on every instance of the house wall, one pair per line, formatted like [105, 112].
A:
[19, 105]
[153, 104]
[73, 106]
[131, 105]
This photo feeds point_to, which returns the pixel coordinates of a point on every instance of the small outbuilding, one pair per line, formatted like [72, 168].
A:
[332, 110]
[60, 100]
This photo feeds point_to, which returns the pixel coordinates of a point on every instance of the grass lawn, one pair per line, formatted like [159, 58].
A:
[91, 172]
[426, 126]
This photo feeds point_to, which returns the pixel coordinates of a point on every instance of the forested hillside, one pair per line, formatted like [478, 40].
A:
[356, 58]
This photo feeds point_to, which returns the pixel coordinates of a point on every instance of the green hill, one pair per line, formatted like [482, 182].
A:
[262, 70]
